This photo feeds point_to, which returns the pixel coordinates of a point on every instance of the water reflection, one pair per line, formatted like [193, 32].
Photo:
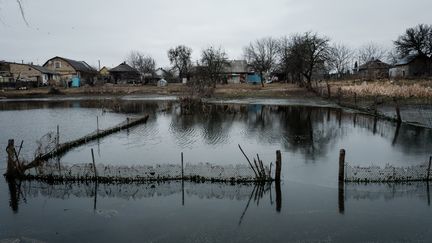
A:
[376, 191]
[20, 191]
[313, 132]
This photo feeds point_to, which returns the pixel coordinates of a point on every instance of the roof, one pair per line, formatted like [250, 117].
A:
[408, 59]
[37, 67]
[374, 64]
[42, 69]
[123, 68]
[237, 66]
[80, 66]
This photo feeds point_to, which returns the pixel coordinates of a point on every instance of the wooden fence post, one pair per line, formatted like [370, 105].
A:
[429, 168]
[278, 166]
[342, 165]
[97, 124]
[355, 99]
[11, 170]
[58, 136]
[398, 115]
[182, 167]
[94, 164]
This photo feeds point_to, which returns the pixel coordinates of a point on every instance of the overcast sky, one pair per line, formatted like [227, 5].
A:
[108, 30]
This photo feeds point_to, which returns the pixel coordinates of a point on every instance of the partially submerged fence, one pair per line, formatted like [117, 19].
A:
[42, 169]
[162, 172]
[388, 173]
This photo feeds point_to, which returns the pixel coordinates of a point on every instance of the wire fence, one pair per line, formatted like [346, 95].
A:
[203, 171]
[388, 173]
[34, 189]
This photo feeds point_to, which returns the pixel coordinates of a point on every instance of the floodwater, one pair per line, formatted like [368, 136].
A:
[308, 206]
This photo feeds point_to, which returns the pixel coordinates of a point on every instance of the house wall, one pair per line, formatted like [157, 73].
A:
[399, 71]
[104, 72]
[417, 68]
[126, 77]
[373, 73]
[26, 71]
[65, 70]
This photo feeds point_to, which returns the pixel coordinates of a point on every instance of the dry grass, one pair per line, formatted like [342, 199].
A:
[390, 89]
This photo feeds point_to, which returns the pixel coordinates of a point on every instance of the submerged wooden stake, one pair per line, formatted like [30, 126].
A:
[248, 160]
[58, 136]
[342, 165]
[398, 115]
[94, 164]
[429, 168]
[278, 166]
[182, 167]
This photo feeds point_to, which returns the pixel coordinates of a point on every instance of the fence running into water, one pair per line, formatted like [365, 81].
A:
[388, 173]
[84, 172]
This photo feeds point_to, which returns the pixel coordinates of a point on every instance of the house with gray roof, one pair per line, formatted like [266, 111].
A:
[374, 69]
[26, 74]
[124, 73]
[412, 66]
[71, 69]
[237, 71]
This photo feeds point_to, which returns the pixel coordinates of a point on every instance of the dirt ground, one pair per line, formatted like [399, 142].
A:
[276, 90]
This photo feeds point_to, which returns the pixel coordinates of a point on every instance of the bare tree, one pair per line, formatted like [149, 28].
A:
[286, 64]
[262, 55]
[180, 58]
[416, 40]
[145, 64]
[371, 51]
[393, 56]
[214, 61]
[340, 58]
[309, 53]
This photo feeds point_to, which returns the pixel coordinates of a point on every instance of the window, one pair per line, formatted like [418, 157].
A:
[57, 64]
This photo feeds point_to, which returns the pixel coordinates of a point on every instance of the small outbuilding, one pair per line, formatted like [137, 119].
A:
[124, 73]
[374, 69]
[13, 74]
[412, 66]
[162, 83]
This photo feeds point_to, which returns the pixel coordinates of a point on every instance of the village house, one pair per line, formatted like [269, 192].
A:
[70, 70]
[124, 73]
[374, 69]
[26, 74]
[237, 71]
[104, 72]
[412, 66]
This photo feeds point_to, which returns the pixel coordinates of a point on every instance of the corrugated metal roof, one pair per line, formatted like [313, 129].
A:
[237, 66]
[43, 69]
[406, 60]
[374, 64]
[80, 66]
[123, 68]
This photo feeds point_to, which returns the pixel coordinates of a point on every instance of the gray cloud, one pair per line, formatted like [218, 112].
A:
[109, 29]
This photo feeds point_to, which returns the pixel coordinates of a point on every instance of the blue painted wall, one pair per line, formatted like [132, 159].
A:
[76, 82]
[253, 78]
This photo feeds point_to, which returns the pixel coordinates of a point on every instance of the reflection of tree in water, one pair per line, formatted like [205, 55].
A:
[311, 131]
[406, 138]
[212, 123]
[387, 191]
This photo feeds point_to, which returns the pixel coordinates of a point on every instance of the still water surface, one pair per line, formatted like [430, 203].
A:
[306, 208]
